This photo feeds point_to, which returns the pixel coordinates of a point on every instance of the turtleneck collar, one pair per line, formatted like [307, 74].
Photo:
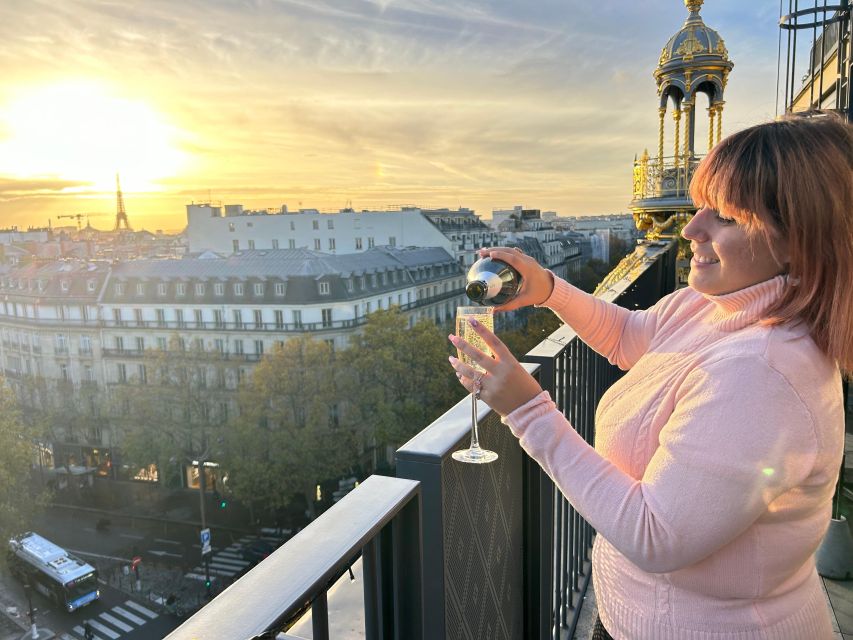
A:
[744, 307]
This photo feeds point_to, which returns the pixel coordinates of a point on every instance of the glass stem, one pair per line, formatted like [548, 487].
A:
[475, 437]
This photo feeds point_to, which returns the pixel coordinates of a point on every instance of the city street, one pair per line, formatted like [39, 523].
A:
[170, 567]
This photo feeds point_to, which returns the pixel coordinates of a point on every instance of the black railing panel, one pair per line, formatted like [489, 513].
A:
[472, 535]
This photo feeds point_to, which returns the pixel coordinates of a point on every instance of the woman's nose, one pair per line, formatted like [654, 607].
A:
[694, 230]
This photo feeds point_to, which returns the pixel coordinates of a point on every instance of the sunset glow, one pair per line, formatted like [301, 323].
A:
[79, 131]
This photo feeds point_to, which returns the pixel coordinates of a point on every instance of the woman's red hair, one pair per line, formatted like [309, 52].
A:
[793, 178]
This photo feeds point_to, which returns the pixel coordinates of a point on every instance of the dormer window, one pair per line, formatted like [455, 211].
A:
[323, 287]
[238, 288]
[90, 286]
[181, 289]
[40, 285]
[199, 289]
[140, 288]
[162, 288]
[280, 288]
[64, 285]
[119, 288]
[259, 288]
[218, 289]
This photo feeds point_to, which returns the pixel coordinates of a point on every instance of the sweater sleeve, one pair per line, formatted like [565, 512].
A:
[620, 335]
[739, 437]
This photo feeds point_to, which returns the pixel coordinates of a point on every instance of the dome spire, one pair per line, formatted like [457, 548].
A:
[693, 5]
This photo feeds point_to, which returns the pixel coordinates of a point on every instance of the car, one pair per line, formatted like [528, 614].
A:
[256, 550]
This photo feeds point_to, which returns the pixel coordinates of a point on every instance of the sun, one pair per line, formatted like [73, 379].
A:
[82, 131]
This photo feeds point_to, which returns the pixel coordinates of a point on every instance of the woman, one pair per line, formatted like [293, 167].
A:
[717, 453]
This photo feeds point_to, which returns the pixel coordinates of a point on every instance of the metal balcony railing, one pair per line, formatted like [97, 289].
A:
[667, 178]
[456, 550]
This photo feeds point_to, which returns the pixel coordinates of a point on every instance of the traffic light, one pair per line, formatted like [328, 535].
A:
[207, 584]
[220, 500]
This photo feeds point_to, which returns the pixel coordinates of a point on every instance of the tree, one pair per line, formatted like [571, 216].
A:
[536, 325]
[166, 411]
[400, 378]
[292, 431]
[18, 500]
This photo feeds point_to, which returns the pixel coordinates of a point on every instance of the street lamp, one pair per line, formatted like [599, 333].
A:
[34, 632]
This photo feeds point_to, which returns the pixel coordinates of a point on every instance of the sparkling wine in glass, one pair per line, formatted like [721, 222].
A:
[484, 315]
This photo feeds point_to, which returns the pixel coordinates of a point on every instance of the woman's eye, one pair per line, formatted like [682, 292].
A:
[724, 219]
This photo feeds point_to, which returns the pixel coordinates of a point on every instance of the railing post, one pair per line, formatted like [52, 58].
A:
[538, 557]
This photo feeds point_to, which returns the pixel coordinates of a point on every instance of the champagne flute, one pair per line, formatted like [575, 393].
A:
[484, 315]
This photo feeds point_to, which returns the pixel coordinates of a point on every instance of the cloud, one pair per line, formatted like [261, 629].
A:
[18, 188]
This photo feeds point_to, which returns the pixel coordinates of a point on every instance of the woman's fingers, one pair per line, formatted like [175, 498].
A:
[482, 359]
[492, 341]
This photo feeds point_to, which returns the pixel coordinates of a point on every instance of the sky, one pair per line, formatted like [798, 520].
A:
[332, 103]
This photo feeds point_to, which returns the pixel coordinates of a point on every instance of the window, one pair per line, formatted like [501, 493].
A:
[330, 223]
[179, 318]
[372, 279]
[181, 289]
[362, 281]
[350, 285]
[331, 244]
[140, 288]
[392, 241]
[142, 374]
[61, 343]
[219, 345]
[370, 243]
[323, 287]
[232, 227]
[63, 372]
[140, 344]
[275, 243]
[238, 347]
[238, 288]
[292, 225]
[137, 317]
[251, 244]
[258, 288]
[90, 285]
[297, 318]
[327, 317]
[198, 344]
[119, 289]
[218, 319]
[291, 244]
[117, 317]
[334, 419]
[237, 314]
[235, 245]
[315, 224]
[162, 344]
[279, 319]
[121, 372]
[161, 317]
[358, 244]
[199, 288]
[316, 244]
[85, 344]
[161, 288]
[279, 288]
[259, 318]
[259, 347]
[119, 343]
[218, 289]
[88, 374]
[384, 278]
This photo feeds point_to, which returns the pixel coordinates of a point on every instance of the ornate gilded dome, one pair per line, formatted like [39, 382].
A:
[695, 54]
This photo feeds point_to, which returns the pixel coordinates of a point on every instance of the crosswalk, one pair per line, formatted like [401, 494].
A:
[113, 624]
[229, 562]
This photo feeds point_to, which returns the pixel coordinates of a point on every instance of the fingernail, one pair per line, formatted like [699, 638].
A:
[453, 338]
[473, 322]
[452, 360]
[459, 375]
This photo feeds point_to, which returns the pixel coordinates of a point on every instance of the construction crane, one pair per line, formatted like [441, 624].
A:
[79, 217]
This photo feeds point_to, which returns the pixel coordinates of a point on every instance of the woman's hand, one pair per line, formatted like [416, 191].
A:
[505, 385]
[537, 283]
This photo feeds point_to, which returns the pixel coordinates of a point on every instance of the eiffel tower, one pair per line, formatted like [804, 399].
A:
[121, 214]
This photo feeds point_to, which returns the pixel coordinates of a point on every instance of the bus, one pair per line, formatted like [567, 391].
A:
[52, 571]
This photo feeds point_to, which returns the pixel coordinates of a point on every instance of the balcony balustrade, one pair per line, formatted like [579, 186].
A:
[449, 549]
[669, 178]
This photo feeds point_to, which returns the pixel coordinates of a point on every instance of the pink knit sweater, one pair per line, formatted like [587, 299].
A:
[715, 460]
